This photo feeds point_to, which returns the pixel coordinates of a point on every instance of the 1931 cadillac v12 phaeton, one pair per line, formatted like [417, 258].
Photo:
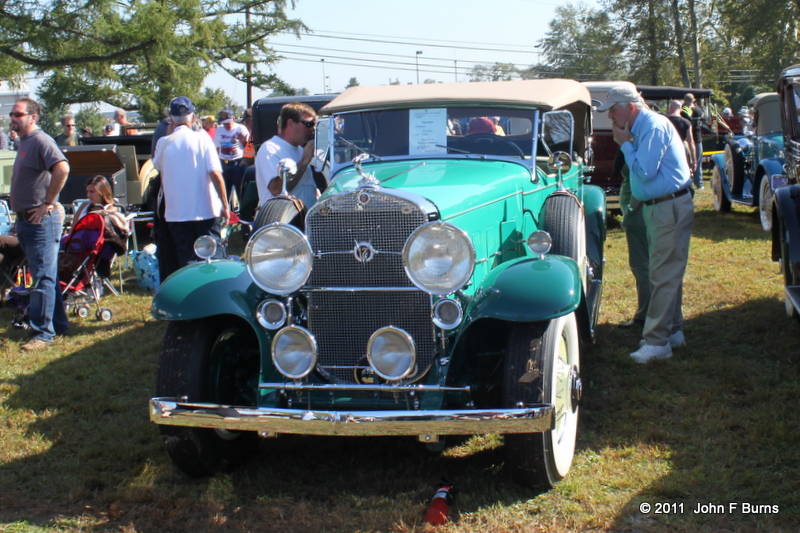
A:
[446, 283]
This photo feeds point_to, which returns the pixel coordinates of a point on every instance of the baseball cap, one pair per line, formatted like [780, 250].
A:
[180, 107]
[625, 92]
[225, 116]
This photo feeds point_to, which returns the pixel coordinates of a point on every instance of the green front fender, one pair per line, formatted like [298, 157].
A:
[528, 290]
[207, 289]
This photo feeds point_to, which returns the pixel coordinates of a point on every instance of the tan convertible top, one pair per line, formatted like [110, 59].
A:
[545, 94]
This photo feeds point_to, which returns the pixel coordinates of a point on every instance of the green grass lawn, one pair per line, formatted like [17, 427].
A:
[717, 424]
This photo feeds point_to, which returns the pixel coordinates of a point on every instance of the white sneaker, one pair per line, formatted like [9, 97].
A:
[676, 340]
[648, 352]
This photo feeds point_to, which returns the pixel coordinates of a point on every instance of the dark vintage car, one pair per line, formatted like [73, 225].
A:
[750, 168]
[603, 146]
[266, 112]
[446, 283]
[786, 201]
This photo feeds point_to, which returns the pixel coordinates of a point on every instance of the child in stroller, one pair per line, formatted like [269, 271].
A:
[99, 233]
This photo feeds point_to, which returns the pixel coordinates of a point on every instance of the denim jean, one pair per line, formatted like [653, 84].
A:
[40, 243]
[697, 177]
[232, 174]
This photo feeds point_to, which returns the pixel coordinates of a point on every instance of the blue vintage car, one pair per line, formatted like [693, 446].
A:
[751, 168]
[447, 282]
[786, 203]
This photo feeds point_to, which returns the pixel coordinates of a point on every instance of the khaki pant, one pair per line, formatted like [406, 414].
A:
[669, 230]
[638, 258]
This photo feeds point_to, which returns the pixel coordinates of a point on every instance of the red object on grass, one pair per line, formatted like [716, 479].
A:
[439, 507]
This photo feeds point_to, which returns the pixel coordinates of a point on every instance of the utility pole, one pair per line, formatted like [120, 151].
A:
[418, 54]
[249, 65]
[323, 76]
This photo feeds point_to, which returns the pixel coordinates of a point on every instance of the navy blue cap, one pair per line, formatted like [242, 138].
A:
[180, 107]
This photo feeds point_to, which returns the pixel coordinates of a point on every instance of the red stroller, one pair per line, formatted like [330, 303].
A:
[81, 250]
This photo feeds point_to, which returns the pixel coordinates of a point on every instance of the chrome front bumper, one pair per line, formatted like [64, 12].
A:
[427, 425]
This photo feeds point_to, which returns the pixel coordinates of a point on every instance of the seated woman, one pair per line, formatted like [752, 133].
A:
[101, 200]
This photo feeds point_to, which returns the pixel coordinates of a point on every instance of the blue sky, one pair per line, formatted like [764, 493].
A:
[376, 41]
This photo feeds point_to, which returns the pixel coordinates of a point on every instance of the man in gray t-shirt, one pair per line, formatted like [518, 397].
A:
[40, 171]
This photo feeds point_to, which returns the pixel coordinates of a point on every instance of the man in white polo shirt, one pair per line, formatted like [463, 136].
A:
[194, 192]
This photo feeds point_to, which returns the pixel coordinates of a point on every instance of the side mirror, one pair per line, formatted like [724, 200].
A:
[559, 162]
[322, 144]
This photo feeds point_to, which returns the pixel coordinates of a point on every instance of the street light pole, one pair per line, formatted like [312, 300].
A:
[323, 76]
[418, 54]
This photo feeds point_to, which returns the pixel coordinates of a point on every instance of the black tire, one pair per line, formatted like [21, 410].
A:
[790, 271]
[564, 221]
[734, 167]
[721, 202]
[209, 361]
[550, 355]
[280, 209]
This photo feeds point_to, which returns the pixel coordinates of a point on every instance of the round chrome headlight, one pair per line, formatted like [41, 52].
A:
[439, 258]
[540, 242]
[278, 258]
[271, 314]
[391, 353]
[447, 314]
[205, 247]
[294, 352]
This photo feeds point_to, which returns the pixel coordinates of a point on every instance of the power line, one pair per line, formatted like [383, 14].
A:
[323, 52]
[431, 43]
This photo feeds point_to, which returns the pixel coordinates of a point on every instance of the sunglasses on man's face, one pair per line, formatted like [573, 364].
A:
[308, 123]
[17, 114]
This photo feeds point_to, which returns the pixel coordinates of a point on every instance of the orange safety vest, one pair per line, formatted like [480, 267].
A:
[249, 149]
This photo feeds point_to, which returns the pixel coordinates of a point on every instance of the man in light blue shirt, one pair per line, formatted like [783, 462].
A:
[661, 180]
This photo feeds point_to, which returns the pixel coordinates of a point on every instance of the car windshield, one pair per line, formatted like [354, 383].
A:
[435, 131]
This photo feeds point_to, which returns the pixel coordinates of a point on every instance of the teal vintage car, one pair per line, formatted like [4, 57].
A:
[447, 282]
[750, 168]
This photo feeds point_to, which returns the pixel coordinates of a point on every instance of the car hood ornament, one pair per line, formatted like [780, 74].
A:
[367, 181]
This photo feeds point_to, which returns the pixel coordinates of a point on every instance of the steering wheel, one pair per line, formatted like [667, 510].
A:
[489, 144]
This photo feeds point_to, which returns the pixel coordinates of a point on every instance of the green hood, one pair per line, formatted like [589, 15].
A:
[453, 185]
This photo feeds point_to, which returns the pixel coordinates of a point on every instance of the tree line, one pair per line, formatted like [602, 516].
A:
[136, 54]
[736, 48]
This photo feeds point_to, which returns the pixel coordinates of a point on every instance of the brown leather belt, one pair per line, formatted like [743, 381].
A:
[669, 196]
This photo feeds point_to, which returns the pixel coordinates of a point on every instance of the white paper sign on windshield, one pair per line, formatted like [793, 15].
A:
[427, 131]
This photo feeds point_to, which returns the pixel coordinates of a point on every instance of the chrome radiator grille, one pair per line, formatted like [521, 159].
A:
[343, 321]
[335, 227]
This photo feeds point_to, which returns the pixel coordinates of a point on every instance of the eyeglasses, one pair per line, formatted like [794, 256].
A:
[308, 123]
[17, 114]
[69, 125]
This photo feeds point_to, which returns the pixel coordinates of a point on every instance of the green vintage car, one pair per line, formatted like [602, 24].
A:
[447, 282]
